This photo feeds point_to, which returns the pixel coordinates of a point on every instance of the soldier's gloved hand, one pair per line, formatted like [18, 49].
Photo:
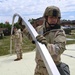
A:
[42, 39]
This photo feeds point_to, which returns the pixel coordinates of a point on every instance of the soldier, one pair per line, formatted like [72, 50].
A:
[18, 43]
[55, 40]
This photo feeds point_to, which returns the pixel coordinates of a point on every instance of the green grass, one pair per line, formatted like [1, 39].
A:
[71, 41]
[5, 45]
[26, 47]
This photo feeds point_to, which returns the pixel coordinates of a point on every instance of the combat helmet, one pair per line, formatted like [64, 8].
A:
[52, 11]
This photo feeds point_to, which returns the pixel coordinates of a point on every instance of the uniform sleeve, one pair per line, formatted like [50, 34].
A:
[60, 42]
[39, 29]
[12, 37]
[16, 35]
[26, 33]
[58, 46]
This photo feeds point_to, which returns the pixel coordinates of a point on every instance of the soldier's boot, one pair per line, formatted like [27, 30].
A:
[18, 57]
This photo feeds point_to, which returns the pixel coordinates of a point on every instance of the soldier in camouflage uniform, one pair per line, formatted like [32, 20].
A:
[53, 37]
[18, 43]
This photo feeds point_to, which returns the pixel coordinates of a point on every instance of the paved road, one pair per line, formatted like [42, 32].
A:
[69, 57]
[27, 65]
[23, 67]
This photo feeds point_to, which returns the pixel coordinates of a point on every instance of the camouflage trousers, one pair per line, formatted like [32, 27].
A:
[40, 69]
[18, 50]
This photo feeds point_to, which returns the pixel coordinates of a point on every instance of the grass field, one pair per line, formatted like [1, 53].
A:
[5, 45]
[27, 44]
[71, 37]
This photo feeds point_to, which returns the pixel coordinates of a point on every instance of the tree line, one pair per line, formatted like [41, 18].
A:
[70, 22]
[62, 22]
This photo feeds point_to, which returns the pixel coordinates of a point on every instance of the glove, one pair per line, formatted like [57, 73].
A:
[41, 39]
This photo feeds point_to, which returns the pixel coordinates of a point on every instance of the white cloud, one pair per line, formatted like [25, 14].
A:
[33, 8]
[72, 17]
[5, 18]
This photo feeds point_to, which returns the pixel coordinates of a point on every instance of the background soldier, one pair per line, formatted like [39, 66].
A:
[18, 43]
[55, 40]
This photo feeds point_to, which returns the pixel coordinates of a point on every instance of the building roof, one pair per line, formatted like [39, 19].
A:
[1, 29]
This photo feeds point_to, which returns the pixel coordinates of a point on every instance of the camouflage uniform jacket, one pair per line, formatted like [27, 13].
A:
[56, 39]
[18, 40]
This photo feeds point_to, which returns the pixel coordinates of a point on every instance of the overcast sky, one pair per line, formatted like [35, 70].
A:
[35, 8]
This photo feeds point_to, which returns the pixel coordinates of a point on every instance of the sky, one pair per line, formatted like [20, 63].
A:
[34, 8]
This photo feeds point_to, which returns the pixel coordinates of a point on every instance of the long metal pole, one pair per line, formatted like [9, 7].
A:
[49, 63]
[11, 34]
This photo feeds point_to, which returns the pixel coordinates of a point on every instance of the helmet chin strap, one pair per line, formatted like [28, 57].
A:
[49, 27]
